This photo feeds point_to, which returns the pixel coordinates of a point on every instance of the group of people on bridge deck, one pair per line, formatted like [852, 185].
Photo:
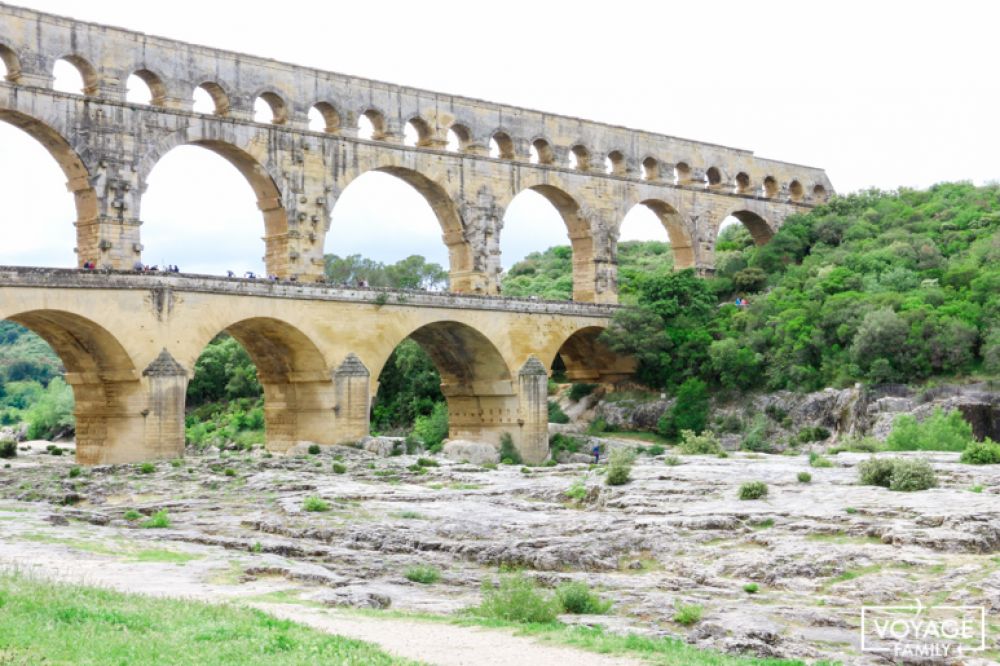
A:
[140, 267]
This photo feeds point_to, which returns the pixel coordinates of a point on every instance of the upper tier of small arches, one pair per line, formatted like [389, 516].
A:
[173, 75]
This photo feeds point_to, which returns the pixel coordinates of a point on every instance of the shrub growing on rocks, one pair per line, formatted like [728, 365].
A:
[982, 453]
[509, 455]
[938, 432]
[704, 444]
[903, 474]
[753, 490]
[159, 520]
[816, 460]
[689, 412]
[314, 449]
[756, 436]
[556, 414]
[578, 599]
[423, 574]
[619, 467]
[516, 599]
[580, 391]
[687, 614]
[805, 477]
[315, 504]
[8, 447]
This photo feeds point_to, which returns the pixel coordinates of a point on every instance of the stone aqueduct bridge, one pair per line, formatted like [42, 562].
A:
[129, 343]
[107, 148]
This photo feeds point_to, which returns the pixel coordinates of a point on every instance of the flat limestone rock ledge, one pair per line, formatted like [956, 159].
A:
[477, 453]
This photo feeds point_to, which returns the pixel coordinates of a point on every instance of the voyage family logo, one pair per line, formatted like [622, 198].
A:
[923, 631]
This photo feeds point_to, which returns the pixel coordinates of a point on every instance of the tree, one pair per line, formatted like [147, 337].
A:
[689, 411]
[224, 371]
[880, 346]
[736, 366]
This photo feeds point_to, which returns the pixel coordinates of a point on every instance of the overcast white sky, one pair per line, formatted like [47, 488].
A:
[879, 93]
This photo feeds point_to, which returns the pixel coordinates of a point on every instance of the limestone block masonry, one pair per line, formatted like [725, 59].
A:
[592, 172]
[130, 341]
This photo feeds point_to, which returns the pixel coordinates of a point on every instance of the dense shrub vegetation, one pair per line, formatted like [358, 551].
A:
[904, 474]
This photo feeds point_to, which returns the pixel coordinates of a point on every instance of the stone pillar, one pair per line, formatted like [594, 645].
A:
[475, 251]
[166, 388]
[534, 398]
[352, 404]
[110, 237]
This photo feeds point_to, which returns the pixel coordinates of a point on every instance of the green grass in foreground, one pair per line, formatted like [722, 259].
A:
[658, 651]
[58, 624]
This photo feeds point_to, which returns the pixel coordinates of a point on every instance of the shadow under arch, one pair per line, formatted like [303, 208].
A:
[77, 181]
[758, 227]
[680, 238]
[588, 359]
[107, 389]
[476, 381]
[580, 238]
[297, 383]
[268, 195]
[463, 273]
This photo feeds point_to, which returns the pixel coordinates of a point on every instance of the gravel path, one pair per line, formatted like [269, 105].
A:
[443, 644]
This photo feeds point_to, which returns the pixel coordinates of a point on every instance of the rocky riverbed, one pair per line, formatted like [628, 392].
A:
[677, 534]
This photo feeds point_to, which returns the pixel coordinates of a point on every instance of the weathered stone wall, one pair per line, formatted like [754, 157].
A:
[107, 148]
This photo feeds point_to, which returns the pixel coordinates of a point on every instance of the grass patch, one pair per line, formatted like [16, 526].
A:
[159, 520]
[816, 460]
[162, 555]
[423, 574]
[753, 490]
[687, 614]
[70, 624]
[765, 524]
[577, 598]
[315, 504]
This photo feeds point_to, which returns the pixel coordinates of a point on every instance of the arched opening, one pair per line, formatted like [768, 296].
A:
[733, 247]
[94, 397]
[536, 224]
[770, 187]
[501, 146]
[417, 132]
[210, 99]
[474, 383]
[713, 177]
[579, 158]
[270, 108]
[758, 227]
[459, 138]
[682, 173]
[742, 183]
[615, 164]
[144, 87]
[652, 238]
[73, 74]
[371, 125]
[541, 152]
[323, 117]
[795, 191]
[220, 206]
[583, 358]
[819, 192]
[650, 169]
[10, 66]
[260, 380]
[387, 229]
[37, 227]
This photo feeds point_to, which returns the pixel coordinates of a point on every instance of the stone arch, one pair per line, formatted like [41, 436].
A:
[819, 192]
[378, 122]
[11, 63]
[269, 196]
[742, 183]
[297, 382]
[681, 243]
[587, 359]
[425, 135]
[795, 191]
[616, 163]
[759, 229]
[463, 136]
[91, 80]
[505, 145]
[713, 177]
[105, 381]
[220, 97]
[88, 240]
[277, 104]
[153, 81]
[769, 187]
[682, 173]
[461, 254]
[581, 154]
[543, 151]
[331, 117]
[650, 168]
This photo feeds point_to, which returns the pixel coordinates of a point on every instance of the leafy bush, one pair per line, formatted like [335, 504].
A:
[753, 490]
[903, 474]
[159, 520]
[579, 391]
[432, 430]
[577, 491]
[8, 447]
[132, 514]
[52, 414]
[619, 467]
[938, 432]
[560, 442]
[423, 574]
[508, 452]
[986, 452]
[655, 450]
[687, 614]
[672, 461]
[751, 588]
[315, 504]
[578, 599]
[556, 414]
[812, 434]
[818, 461]
[74, 472]
[704, 444]
[147, 468]
[516, 599]
[339, 468]
[314, 449]
[805, 477]
[689, 411]
[756, 436]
